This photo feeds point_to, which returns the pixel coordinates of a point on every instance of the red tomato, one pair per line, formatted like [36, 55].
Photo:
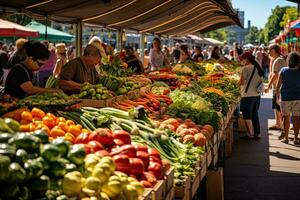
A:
[95, 146]
[82, 138]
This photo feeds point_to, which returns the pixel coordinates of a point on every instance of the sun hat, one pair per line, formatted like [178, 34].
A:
[61, 48]
[97, 43]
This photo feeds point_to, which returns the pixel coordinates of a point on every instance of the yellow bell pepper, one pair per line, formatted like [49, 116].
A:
[71, 183]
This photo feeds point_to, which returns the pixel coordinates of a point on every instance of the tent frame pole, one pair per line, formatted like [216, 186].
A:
[120, 39]
[78, 39]
[142, 47]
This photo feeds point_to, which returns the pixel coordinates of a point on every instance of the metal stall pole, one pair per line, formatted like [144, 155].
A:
[142, 47]
[78, 41]
[119, 39]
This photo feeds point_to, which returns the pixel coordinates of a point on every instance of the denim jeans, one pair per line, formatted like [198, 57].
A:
[249, 108]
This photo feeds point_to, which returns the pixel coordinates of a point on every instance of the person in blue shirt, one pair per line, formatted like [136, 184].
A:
[288, 87]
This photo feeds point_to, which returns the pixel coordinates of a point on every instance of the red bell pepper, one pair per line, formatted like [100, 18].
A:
[154, 152]
[136, 166]
[127, 149]
[102, 135]
[102, 153]
[155, 159]
[146, 184]
[94, 146]
[156, 169]
[144, 156]
[141, 147]
[122, 163]
[82, 138]
[118, 142]
[122, 135]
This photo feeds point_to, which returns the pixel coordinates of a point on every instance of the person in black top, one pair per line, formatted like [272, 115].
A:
[3, 64]
[184, 54]
[21, 81]
[215, 54]
[176, 53]
[133, 62]
[198, 56]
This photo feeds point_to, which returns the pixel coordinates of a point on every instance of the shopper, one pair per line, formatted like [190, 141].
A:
[278, 62]
[47, 69]
[259, 55]
[20, 81]
[198, 56]
[3, 65]
[266, 63]
[184, 54]
[250, 81]
[215, 54]
[176, 53]
[133, 62]
[62, 58]
[288, 86]
[156, 57]
[81, 69]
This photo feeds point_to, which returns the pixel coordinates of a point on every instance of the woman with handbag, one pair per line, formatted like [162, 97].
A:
[288, 87]
[251, 82]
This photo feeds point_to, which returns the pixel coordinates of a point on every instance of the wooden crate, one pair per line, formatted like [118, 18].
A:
[241, 124]
[195, 182]
[169, 181]
[170, 195]
[183, 192]
[147, 195]
[208, 157]
[215, 185]
[158, 192]
[229, 140]
[203, 170]
[109, 102]
[215, 154]
[92, 103]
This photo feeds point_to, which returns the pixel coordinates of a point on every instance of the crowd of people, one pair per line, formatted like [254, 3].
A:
[25, 69]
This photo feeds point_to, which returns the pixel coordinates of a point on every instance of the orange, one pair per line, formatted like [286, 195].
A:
[63, 126]
[85, 130]
[57, 132]
[26, 116]
[32, 127]
[49, 121]
[51, 115]
[43, 127]
[70, 122]
[25, 127]
[24, 122]
[36, 112]
[79, 126]
[75, 130]
[60, 119]
[70, 137]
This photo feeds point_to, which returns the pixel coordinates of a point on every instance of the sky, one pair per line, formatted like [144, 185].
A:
[258, 11]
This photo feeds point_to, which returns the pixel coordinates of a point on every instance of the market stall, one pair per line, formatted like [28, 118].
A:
[153, 136]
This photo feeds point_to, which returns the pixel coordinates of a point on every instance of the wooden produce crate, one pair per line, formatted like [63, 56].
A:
[208, 157]
[170, 195]
[169, 180]
[229, 139]
[215, 154]
[215, 185]
[183, 192]
[158, 192]
[241, 124]
[195, 182]
[147, 195]
[109, 102]
[203, 170]
[92, 103]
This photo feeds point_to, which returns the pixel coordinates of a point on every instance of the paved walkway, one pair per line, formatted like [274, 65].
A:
[265, 169]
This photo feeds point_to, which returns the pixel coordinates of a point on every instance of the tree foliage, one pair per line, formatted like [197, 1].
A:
[253, 35]
[290, 15]
[219, 34]
[273, 26]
